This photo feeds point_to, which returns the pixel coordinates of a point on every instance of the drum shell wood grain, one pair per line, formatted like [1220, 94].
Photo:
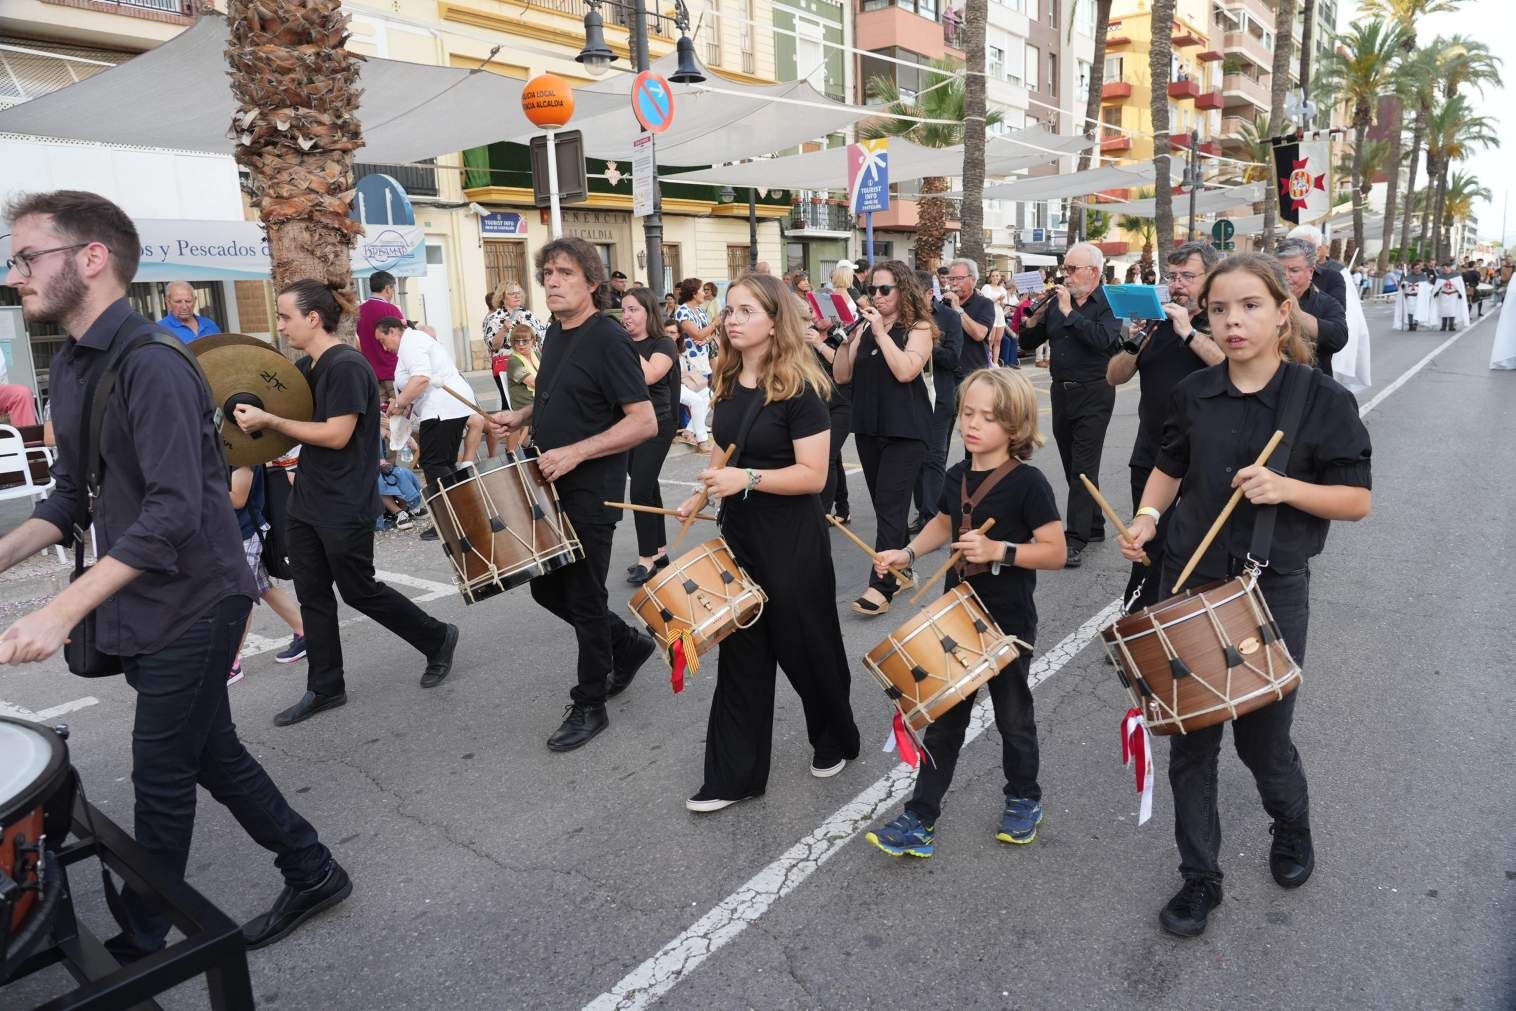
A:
[959, 614]
[486, 560]
[704, 565]
[1237, 604]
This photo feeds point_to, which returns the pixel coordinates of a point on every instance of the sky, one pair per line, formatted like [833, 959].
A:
[1496, 167]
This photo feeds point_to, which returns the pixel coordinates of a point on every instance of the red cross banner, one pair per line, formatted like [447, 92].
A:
[1302, 173]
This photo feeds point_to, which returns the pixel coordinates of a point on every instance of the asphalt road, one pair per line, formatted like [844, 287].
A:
[491, 873]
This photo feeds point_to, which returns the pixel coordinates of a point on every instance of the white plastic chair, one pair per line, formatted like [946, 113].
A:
[16, 458]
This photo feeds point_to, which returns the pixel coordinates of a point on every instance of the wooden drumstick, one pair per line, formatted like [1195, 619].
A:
[465, 400]
[951, 561]
[1210, 535]
[1110, 514]
[906, 582]
[633, 507]
[700, 500]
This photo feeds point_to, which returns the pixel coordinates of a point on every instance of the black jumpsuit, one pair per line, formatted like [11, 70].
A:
[782, 543]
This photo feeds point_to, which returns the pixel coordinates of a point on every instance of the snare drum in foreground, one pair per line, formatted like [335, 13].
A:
[36, 801]
[704, 593]
[1202, 657]
[501, 527]
[941, 656]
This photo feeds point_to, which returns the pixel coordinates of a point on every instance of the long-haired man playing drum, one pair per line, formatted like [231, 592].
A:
[1219, 420]
[591, 407]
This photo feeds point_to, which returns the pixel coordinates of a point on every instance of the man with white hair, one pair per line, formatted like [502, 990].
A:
[1324, 320]
[1082, 333]
[1352, 366]
[1330, 275]
[182, 319]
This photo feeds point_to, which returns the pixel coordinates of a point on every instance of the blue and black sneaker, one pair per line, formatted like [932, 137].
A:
[1019, 822]
[904, 837]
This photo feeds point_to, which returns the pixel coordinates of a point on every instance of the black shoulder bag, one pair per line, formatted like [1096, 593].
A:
[82, 651]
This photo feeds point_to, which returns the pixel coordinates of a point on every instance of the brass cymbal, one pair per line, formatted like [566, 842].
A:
[246, 370]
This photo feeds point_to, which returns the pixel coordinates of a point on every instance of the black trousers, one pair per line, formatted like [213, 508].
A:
[576, 593]
[1014, 718]
[1142, 576]
[1081, 414]
[1262, 739]
[183, 736]
[440, 439]
[642, 467]
[934, 470]
[834, 496]
[344, 556]
[891, 467]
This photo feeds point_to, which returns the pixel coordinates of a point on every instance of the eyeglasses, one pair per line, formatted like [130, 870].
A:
[1079, 266]
[741, 313]
[881, 289]
[1187, 276]
[21, 263]
[959, 277]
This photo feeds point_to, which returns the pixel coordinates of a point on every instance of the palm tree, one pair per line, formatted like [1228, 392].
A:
[1453, 133]
[1091, 126]
[1464, 60]
[1463, 190]
[1307, 15]
[1418, 75]
[1279, 83]
[971, 236]
[1406, 13]
[1359, 70]
[941, 98]
[1160, 59]
[1143, 228]
[296, 128]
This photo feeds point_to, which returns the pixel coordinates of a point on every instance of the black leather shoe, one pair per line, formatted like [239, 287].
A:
[1291, 857]
[440, 664]
[661, 562]
[580, 723]
[309, 705]
[626, 668]
[639, 575]
[1187, 911]
[1075, 558]
[294, 906]
[430, 534]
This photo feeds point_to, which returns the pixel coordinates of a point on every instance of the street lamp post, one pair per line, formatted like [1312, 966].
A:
[752, 229]
[597, 57]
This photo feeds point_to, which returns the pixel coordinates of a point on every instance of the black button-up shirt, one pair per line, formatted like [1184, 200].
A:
[1079, 344]
[1164, 361]
[1213, 430]
[1328, 277]
[163, 505]
[1331, 325]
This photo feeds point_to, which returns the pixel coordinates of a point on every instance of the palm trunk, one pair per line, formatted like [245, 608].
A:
[1427, 199]
[1437, 213]
[1279, 82]
[1382, 262]
[1410, 190]
[931, 225]
[1307, 11]
[1360, 127]
[296, 126]
[971, 234]
[1159, 59]
[1092, 127]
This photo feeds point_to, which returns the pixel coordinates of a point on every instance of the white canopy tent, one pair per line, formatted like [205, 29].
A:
[1206, 201]
[1072, 184]
[412, 111]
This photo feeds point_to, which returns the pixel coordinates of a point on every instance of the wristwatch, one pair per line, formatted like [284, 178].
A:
[1008, 560]
[1130, 346]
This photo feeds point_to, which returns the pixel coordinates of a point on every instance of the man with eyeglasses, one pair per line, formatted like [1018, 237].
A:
[975, 312]
[1082, 334]
[1321, 316]
[1163, 354]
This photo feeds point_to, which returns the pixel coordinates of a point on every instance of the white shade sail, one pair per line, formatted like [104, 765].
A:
[1206, 201]
[1071, 184]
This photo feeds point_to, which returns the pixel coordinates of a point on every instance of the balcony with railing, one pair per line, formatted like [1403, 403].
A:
[612, 15]
[418, 180]
[827, 216]
[1248, 46]
[1242, 90]
[1115, 90]
[1234, 126]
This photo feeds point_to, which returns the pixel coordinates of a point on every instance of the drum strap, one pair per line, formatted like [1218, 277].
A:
[971, 502]
[1291, 409]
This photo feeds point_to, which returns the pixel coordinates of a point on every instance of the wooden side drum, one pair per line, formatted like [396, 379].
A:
[704, 592]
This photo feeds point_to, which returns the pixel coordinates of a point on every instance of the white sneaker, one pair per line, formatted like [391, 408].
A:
[403, 520]
[830, 770]
[235, 674]
[704, 805]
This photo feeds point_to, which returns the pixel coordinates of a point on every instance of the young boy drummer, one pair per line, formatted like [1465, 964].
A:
[1219, 421]
[997, 416]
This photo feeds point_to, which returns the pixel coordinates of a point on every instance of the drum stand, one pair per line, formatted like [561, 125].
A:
[212, 943]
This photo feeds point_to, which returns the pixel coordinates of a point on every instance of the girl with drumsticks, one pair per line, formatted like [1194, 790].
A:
[997, 416]
[770, 402]
[1219, 420]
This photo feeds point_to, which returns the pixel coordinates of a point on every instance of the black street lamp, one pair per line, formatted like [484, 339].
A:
[597, 57]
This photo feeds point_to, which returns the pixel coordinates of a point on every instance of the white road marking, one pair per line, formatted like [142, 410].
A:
[16, 712]
[434, 590]
[681, 956]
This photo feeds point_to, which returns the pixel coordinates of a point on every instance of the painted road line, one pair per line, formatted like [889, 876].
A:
[681, 956]
[434, 590]
[16, 712]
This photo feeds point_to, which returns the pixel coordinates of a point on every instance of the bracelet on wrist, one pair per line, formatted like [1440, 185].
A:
[910, 553]
[1150, 511]
[753, 477]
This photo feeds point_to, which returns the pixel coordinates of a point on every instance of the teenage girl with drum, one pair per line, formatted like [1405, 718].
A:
[1219, 421]
[770, 401]
[892, 412]
[997, 416]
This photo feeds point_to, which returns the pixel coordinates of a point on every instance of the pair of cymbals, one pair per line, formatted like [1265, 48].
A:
[246, 370]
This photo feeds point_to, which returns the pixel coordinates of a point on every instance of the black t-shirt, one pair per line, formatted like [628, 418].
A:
[770, 442]
[1020, 503]
[1213, 430]
[883, 405]
[976, 354]
[1164, 361]
[662, 392]
[336, 487]
[600, 375]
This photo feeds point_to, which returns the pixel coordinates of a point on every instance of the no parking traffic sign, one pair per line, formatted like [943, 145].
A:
[652, 102]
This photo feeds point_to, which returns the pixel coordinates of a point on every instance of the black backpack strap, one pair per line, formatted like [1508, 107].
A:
[1297, 382]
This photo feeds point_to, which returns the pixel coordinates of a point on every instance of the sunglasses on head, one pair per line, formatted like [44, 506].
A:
[881, 289]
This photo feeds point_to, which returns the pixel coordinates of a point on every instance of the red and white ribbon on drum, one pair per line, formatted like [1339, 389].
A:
[1137, 748]
[900, 739]
[683, 658]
